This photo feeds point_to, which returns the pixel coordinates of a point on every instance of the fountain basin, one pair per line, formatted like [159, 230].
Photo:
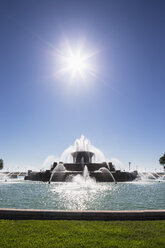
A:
[98, 175]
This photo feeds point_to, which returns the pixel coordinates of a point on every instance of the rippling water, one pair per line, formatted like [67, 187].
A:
[17, 193]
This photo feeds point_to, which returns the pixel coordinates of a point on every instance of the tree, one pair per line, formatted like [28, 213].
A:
[1, 164]
[162, 160]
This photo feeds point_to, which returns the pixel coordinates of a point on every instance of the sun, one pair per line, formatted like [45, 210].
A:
[76, 61]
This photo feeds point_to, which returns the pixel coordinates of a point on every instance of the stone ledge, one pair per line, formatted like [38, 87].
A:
[39, 214]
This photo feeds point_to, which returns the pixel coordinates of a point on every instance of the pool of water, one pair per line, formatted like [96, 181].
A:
[17, 193]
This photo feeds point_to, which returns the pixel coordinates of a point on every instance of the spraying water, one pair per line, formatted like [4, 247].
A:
[84, 181]
[151, 177]
[59, 167]
[86, 173]
[82, 144]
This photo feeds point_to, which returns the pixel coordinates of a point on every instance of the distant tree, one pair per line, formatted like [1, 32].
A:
[162, 160]
[1, 164]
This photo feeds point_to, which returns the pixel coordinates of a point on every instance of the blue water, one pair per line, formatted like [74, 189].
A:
[17, 193]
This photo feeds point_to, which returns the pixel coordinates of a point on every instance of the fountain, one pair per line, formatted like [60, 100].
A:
[82, 159]
[151, 176]
[86, 173]
[8, 175]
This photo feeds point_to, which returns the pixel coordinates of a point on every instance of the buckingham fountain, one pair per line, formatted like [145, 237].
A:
[85, 160]
[83, 179]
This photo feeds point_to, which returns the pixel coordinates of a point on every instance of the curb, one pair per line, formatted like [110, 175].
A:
[39, 214]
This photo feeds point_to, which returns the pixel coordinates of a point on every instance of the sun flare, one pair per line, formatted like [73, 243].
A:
[77, 61]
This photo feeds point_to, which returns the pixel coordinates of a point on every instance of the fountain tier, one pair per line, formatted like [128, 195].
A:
[82, 155]
[77, 157]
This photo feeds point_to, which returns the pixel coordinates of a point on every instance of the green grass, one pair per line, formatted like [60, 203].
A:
[123, 234]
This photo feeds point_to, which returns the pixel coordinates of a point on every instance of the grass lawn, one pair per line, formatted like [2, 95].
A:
[85, 234]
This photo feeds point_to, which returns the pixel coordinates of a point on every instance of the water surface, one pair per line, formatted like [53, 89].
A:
[17, 193]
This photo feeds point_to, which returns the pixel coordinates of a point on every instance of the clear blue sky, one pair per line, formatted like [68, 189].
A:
[122, 111]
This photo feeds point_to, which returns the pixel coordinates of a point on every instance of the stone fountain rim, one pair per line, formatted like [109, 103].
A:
[105, 215]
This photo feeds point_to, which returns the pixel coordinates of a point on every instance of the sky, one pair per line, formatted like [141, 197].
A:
[120, 107]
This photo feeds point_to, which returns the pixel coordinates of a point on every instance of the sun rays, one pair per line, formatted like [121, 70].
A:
[76, 61]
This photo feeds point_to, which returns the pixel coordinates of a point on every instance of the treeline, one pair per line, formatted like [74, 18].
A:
[162, 160]
[1, 164]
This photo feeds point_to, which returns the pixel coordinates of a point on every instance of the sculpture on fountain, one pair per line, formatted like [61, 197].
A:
[82, 155]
